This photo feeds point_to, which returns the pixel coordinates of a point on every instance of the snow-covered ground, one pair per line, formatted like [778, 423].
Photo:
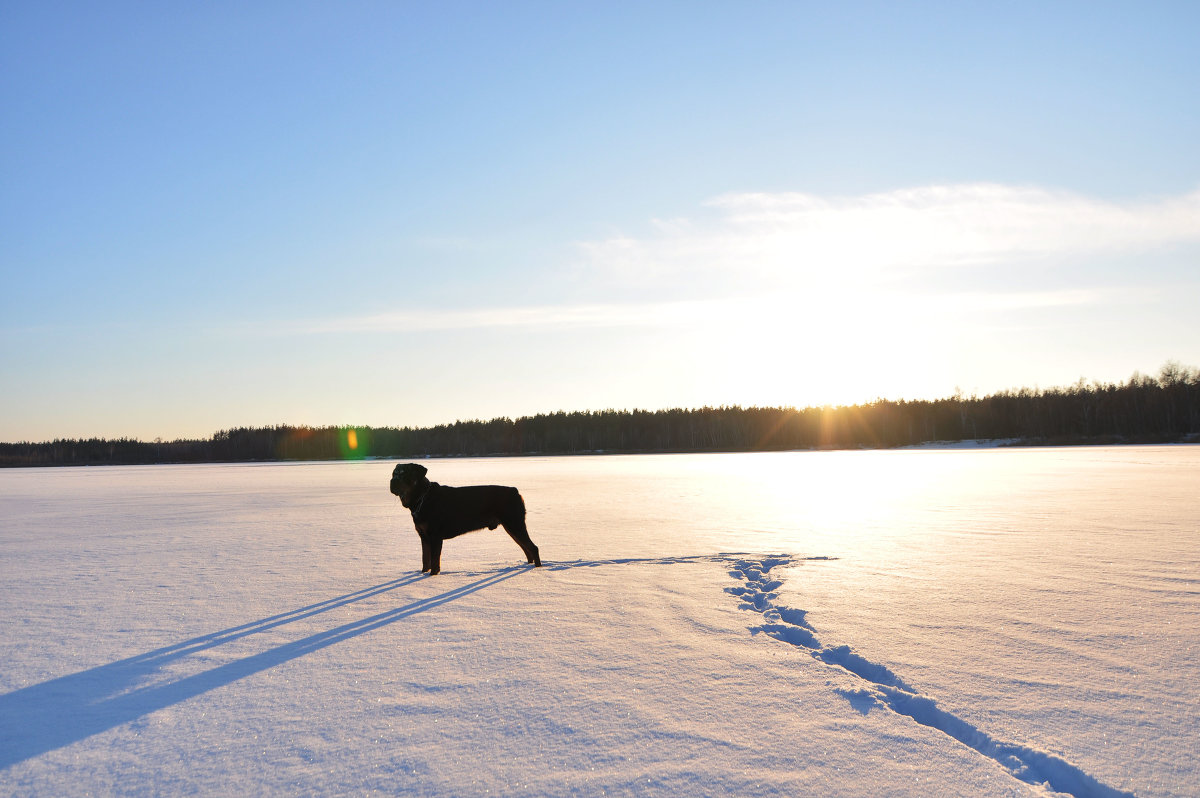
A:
[827, 623]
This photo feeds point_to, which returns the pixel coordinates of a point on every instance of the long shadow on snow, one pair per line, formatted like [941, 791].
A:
[44, 717]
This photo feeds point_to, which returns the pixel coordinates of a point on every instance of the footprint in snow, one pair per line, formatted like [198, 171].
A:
[883, 688]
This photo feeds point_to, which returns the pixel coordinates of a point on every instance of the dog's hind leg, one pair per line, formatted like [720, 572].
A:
[516, 529]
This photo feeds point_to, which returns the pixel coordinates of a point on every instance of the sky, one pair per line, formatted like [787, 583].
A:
[224, 214]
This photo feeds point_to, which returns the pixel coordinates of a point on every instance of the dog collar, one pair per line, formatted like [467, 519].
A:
[421, 501]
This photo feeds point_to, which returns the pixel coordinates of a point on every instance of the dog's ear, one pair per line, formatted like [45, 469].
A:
[418, 470]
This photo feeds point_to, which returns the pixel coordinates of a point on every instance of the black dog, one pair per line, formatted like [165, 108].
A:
[440, 512]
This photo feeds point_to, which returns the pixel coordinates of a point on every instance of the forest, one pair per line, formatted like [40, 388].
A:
[1145, 409]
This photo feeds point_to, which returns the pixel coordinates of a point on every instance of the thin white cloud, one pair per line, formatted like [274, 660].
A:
[743, 311]
[658, 314]
[1038, 300]
[781, 234]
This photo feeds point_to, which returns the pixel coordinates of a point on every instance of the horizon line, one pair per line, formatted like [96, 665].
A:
[1183, 372]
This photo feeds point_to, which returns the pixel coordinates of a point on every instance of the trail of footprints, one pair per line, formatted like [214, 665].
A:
[881, 687]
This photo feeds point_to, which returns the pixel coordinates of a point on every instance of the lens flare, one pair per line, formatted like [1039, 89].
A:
[354, 443]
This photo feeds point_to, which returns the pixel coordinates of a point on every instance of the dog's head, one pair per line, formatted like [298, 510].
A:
[406, 477]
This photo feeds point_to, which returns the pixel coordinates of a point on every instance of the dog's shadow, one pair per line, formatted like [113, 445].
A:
[44, 717]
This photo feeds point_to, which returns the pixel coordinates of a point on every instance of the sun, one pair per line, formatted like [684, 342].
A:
[833, 350]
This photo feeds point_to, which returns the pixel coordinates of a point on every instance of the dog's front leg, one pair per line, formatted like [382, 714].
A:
[426, 554]
[435, 556]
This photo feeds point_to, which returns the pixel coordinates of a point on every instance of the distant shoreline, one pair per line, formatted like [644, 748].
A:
[1165, 409]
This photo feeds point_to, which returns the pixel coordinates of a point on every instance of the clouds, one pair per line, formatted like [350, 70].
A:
[795, 298]
[791, 237]
[944, 252]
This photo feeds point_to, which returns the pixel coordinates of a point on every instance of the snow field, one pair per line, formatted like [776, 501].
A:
[617, 678]
[261, 629]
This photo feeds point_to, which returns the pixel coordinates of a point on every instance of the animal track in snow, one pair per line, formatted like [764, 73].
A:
[883, 688]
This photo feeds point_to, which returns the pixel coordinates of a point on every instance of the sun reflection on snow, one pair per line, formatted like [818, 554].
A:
[854, 499]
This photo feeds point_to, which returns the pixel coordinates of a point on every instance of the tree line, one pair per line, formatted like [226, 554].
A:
[1145, 409]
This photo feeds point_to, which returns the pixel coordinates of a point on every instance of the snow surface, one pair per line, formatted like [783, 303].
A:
[980, 622]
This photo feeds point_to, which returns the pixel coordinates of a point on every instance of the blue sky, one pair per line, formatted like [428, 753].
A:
[222, 214]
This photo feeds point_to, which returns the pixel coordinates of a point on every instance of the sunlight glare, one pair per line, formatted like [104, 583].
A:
[841, 347]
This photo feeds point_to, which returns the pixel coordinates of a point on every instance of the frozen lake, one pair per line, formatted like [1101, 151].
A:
[923, 622]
